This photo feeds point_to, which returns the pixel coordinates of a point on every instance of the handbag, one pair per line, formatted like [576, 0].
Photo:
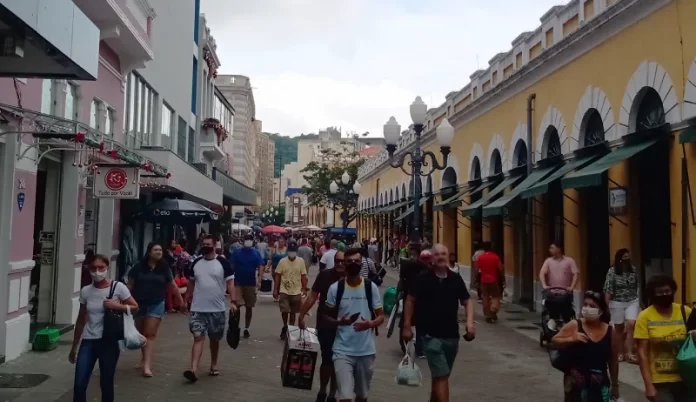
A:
[113, 320]
[562, 360]
[686, 358]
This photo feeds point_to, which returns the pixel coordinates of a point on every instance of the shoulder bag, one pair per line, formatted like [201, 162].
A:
[113, 320]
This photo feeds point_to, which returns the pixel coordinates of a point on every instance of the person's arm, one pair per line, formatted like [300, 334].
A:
[79, 327]
[608, 285]
[501, 273]
[642, 336]
[542, 274]
[191, 285]
[576, 275]
[566, 336]
[616, 342]
[304, 280]
[174, 288]
[228, 272]
[330, 312]
[322, 262]
[465, 300]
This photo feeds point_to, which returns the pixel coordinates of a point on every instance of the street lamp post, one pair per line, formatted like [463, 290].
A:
[418, 157]
[342, 193]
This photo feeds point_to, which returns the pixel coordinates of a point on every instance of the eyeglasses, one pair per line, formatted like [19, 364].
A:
[339, 260]
[591, 293]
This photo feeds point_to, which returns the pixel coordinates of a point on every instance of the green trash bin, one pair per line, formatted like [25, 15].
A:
[389, 299]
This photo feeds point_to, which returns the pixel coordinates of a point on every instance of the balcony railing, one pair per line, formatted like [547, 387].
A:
[235, 191]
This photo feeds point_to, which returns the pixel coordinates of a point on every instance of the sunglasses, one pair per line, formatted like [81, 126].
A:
[591, 293]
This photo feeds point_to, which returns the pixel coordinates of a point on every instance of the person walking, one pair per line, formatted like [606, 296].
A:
[492, 281]
[149, 281]
[210, 276]
[94, 345]
[325, 331]
[305, 252]
[373, 251]
[354, 306]
[290, 286]
[621, 290]
[660, 332]
[434, 299]
[327, 258]
[591, 347]
[249, 266]
[262, 246]
[280, 251]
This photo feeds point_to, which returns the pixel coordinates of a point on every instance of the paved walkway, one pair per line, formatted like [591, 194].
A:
[500, 365]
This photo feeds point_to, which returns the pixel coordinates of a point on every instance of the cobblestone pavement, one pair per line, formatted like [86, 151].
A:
[500, 365]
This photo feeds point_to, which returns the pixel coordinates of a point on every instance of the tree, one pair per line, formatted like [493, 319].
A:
[330, 168]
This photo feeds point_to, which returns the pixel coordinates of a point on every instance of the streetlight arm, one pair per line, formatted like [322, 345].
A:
[434, 163]
[401, 162]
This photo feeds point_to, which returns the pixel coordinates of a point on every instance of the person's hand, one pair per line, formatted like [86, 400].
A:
[505, 292]
[471, 329]
[300, 323]
[362, 325]
[651, 392]
[111, 304]
[570, 289]
[182, 307]
[276, 295]
[407, 334]
[615, 392]
[72, 356]
[345, 320]
[258, 285]
[693, 333]
[233, 307]
[579, 337]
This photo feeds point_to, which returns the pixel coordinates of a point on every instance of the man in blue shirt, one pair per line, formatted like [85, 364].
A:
[356, 314]
[248, 265]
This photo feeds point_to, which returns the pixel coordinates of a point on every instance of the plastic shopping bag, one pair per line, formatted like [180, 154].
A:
[686, 361]
[389, 299]
[132, 339]
[408, 372]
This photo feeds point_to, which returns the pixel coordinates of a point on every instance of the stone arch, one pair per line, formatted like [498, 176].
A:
[690, 93]
[519, 153]
[498, 144]
[449, 178]
[520, 134]
[594, 99]
[648, 75]
[453, 163]
[476, 155]
[552, 117]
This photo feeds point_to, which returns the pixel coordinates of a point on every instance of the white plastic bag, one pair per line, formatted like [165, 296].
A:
[408, 372]
[132, 339]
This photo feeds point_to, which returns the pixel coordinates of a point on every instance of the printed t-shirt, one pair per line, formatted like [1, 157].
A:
[291, 272]
[350, 342]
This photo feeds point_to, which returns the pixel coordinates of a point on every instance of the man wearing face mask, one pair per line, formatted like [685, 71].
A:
[290, 286]
[248, 265]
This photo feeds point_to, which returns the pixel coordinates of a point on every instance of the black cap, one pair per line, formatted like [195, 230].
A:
[248, 237]
[292, 246]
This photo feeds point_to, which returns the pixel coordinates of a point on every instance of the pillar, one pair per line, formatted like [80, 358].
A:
[573, 239]
[628, 235]
[7, 201]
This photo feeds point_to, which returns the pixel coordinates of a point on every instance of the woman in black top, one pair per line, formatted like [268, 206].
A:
[148, 281]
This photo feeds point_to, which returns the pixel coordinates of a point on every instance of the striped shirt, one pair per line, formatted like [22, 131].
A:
[367, 266]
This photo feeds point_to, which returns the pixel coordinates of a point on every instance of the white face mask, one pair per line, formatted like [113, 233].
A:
[292, 255]
[98, 276]
[248, 243]
[591, 313]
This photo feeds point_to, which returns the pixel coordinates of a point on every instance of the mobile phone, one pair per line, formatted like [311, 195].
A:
[354, 317]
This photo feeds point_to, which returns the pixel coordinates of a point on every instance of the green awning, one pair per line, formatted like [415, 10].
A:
[393, 207]
[592, 174]
[497, 207]
[475, 208]
[687, 135]
[409, 210]
[542, 187]
[452, 202]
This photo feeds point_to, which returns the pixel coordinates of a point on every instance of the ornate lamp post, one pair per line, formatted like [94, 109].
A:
[342, 194]
[417, 157]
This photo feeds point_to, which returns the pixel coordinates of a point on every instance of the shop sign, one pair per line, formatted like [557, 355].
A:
[47, 256]
[46, 237]
[117, 182]
[618, 202]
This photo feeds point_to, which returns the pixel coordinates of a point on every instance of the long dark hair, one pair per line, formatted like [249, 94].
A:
[162, 263]
[598, 297]
[618, 261]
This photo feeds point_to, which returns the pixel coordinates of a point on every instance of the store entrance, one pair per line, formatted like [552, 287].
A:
[595, 221]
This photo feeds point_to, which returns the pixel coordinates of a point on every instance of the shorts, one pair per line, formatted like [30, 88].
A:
[246, 296]
[326, 336]
[622, 311]
[491, 290]
[210, 324]
[673, 392]
[155, 310]
[289, 303]
[353, 375]
[440, 353]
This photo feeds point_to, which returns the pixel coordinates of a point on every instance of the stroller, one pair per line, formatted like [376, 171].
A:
[557, 304]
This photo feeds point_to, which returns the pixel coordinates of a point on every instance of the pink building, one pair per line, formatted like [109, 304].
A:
[49, 218]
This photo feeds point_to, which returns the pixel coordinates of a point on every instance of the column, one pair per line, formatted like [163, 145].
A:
[105, 232]
[7, 200]
[574, 242]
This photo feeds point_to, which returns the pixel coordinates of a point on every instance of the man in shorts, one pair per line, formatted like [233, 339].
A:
[210, 277]
[290, 286]
[248, 264]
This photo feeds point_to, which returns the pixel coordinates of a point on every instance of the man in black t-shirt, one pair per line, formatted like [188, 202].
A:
[325, 331]
[435, 298]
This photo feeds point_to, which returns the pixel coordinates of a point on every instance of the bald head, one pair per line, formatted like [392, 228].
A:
[440, 256]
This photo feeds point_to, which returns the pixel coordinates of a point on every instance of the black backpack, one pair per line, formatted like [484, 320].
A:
[367, 284]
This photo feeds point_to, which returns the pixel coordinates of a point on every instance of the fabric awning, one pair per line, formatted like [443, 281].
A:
[409, 210]
[475, 208]
[542, 187]
[393, 207]
[687, 135]
[497, 207]
[591, 175]
[452, 202]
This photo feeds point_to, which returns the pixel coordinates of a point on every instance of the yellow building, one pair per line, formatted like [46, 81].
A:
[603, 96]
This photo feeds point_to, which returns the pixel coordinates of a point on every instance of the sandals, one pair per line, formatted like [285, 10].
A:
[214, 372]
[191, 376]
[633, 359]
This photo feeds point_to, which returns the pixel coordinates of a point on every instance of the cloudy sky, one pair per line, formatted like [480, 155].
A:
[354, 63]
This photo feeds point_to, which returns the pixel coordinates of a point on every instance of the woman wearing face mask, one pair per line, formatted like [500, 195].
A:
[660, 333]
[621, 290]
[592, 350]
[150, 280]
[89, 328]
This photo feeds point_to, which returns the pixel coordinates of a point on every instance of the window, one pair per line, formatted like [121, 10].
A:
[191, 146]
[93, 115]
[140, 108]
[166, 128]
[194, 87]
[181, 139]
[70, 102]
[47, 88]
[109, 117]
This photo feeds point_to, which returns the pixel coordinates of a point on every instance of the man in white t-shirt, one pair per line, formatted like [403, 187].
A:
[210, 277]
[327, 260]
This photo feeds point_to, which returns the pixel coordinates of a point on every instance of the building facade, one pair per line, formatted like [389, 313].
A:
[607, 127]
[265, 151]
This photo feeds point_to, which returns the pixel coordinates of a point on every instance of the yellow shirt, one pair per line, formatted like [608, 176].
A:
[291, 275]
[665, 338]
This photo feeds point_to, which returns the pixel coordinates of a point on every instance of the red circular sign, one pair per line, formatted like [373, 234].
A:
[116, 179]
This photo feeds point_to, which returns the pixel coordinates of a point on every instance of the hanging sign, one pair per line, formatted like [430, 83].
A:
[117, 182]
[618, 202]
[20, 201]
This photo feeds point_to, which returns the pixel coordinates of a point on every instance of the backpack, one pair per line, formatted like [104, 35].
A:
[367, 284]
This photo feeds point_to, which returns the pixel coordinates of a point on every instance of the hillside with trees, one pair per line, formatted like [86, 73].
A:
[286, 149]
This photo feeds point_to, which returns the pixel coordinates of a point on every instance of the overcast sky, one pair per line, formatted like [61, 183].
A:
[354, 63]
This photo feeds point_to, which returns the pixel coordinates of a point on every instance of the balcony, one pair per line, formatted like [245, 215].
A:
[125, 27]
[235, 193]
[211, 140]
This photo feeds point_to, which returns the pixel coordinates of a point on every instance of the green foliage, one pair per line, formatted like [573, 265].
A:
[286, 150]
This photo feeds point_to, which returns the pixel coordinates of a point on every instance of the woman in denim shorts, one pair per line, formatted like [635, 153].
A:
[148, 281]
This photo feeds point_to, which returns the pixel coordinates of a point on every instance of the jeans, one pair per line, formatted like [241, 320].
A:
[107, 354]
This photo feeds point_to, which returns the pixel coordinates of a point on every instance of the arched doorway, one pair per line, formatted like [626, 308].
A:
[449, 216]
[554, 197]
[495, 223]
[595, 214]
[476, 223]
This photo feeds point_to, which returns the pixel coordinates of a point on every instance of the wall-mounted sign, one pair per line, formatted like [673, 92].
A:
[46, 237]
[80, 230]
[20, 201]
[21, 184]
[618, 202]
[117, 182]
[47, 256]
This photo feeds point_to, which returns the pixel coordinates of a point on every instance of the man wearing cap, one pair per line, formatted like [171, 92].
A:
[248, 265]
[290, 286]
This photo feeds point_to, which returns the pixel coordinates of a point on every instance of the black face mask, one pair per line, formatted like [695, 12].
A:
[353, 268]
[663, 300]
[205, 250]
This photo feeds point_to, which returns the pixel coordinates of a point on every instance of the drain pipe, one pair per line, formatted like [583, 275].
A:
[528, 264]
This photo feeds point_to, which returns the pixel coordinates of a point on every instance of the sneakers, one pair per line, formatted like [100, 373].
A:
[246, 333]
[321, 397]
